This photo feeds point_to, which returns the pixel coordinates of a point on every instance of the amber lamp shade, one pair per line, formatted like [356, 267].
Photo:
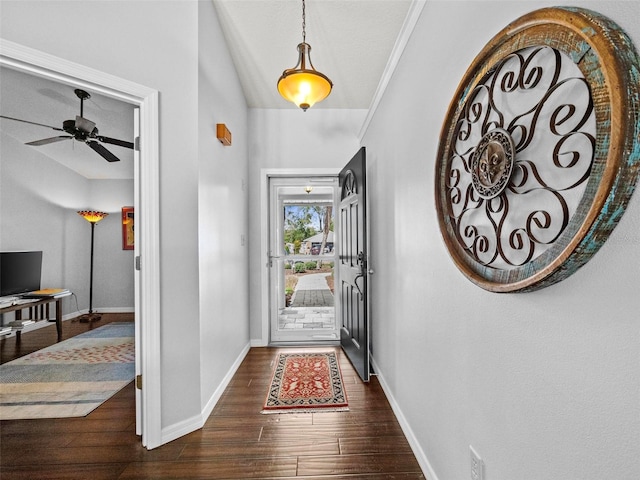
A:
[304, 86]
[92, 216]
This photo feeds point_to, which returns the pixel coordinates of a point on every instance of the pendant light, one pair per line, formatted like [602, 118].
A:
[303, 84]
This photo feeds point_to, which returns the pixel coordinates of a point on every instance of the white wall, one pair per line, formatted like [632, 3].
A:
[291, 139]
[39, 199]
[223, 208]
[157, 44]
[544, 385]
[113, 268]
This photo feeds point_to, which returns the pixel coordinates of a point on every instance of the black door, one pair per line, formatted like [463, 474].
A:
[354, 315]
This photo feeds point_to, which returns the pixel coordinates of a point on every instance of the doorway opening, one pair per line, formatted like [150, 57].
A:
[302, 257]
[147, 283]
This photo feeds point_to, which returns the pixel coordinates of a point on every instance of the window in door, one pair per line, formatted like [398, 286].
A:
[302, 260]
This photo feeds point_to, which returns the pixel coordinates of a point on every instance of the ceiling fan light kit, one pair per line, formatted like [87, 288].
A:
[82, 130]
[303, 84]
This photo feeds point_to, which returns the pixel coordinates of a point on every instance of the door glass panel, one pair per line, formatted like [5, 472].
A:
[302, 262]
[309, 297]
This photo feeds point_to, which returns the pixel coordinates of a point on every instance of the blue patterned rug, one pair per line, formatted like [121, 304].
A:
[70, 378]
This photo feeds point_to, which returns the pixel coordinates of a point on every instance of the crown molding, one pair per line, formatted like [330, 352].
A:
[415, 10]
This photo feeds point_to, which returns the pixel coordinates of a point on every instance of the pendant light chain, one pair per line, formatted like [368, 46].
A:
[304, 24]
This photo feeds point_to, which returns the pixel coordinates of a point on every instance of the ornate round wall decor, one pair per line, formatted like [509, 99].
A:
[540, 149]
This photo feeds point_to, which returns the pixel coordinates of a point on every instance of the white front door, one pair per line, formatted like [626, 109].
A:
[302, 306]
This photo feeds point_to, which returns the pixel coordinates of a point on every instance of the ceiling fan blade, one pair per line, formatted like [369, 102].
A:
[46, 141]
[100, 150]
[84, 125]
[115, 141]
[32, 123]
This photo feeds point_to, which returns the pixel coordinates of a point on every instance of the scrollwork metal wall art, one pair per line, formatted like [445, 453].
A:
[515, 143]
[539, 152]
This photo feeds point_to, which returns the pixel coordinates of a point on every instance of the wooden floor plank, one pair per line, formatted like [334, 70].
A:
[350, 446]
[90, 454]
[66, 472]
[357, 464]
[294, 434]
[261, 449]
[299, 420]
[224, 468]
[236, 442]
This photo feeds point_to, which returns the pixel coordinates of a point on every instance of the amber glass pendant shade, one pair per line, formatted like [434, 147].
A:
[301, 85]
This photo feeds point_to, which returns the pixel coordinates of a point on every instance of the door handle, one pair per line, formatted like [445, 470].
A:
[362, 263]
[355, 282]
[271, 258]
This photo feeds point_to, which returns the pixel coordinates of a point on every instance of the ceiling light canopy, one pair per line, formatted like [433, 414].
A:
[303, 84]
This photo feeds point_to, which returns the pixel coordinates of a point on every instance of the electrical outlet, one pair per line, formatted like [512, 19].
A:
[477, 467]
[242, 240]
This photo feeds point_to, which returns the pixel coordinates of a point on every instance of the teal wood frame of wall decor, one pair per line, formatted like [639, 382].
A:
[611, 67]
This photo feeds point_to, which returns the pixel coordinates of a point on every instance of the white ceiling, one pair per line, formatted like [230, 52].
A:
[351, 41]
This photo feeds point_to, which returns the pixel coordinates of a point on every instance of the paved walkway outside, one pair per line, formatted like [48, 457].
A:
[311, 305]
[312, 291]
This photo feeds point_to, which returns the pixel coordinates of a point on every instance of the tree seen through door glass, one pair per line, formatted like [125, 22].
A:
[308, 229]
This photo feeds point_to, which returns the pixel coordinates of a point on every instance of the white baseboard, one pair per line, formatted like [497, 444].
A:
[180, 429]
[208, 408]
[258, 342]
[196, 422]
[422, 459]
[114, 310]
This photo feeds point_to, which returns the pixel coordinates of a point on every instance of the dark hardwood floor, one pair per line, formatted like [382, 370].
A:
[237, 442]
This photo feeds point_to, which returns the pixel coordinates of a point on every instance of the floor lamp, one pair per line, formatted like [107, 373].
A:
[92, 217]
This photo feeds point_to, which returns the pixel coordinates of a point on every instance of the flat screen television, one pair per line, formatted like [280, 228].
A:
[20, 272]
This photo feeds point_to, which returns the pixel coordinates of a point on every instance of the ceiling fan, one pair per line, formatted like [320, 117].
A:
[81, 129]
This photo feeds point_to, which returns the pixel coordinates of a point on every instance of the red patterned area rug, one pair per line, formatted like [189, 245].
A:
[306, 382]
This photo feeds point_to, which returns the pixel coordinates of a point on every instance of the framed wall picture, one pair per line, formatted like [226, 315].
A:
[127, 228]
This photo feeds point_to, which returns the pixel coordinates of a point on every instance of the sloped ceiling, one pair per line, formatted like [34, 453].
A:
[32, 98]
[351, 41]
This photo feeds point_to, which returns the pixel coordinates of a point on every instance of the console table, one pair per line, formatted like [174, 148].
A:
[39, 310]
